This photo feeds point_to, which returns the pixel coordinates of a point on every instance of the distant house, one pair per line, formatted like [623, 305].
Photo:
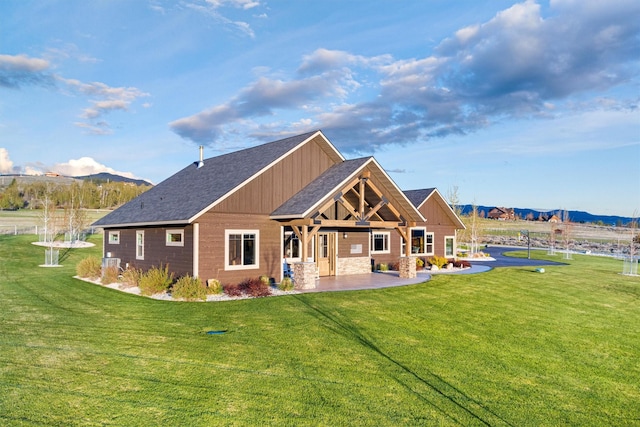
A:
[296, 201]
[502, 214]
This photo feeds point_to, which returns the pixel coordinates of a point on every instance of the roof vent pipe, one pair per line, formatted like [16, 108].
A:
[201, 162]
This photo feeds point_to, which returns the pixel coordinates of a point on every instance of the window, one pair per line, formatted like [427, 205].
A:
[291, 246]
[448, 246]
[241, 249]
[380, 243]
[140, 244]
[175, 238]
[429, 244]
[114, 237]
[421, 242]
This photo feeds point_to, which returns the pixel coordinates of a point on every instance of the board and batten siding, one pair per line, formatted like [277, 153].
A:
[438, 222]
[272, 188]
[212, 226]
[156, 251]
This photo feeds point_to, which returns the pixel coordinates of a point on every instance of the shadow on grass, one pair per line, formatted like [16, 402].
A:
[435, 383]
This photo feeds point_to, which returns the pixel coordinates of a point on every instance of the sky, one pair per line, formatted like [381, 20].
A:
[531, 104]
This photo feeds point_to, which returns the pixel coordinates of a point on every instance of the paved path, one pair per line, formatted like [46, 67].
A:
[391, 279]
[501, 260]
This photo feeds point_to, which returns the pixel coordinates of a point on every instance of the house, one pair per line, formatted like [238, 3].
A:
[502, 214]
[296, 200]
[435, 236]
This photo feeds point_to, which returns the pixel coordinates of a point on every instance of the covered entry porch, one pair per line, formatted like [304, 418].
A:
[332, 218]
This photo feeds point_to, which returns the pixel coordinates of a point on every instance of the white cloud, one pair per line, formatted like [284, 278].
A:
[21, 70]
[518, 64]
[85, 166]
[6, 165]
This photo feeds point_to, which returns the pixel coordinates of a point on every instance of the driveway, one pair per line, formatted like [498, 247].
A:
[497, 252]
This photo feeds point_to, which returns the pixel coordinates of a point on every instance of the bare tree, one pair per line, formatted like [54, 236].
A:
[475, 229]
[454, 200]
[567, 231]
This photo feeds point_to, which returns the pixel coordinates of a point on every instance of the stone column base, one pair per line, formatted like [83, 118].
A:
[408, 267]
[304, 274]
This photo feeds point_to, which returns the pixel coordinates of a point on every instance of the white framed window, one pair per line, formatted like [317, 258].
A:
[175, 238]
[114, 237]
[291, 246]
[380, 242]
[429, 247]
[241, 249]
[449, 246]
[140, 244]
[421, 242]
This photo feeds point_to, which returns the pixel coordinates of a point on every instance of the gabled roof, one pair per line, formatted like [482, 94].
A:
[333, 180]
[311, 195]
[420, 197]
[183, 197]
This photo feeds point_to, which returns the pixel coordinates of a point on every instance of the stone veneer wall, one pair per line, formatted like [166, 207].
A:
[408, 267]
[304, 274]
[357, 265]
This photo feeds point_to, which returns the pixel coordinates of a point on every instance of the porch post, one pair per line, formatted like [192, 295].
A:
[407, 262]
[304, 272]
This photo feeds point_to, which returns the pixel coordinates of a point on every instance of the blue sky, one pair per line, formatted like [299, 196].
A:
[518, 104]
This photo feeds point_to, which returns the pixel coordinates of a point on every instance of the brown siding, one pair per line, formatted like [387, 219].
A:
[212, 246]
[276, 185]
[156, 252]
[354, 237]
[438, 222]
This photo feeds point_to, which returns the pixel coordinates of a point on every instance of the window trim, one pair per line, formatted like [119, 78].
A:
[169, 232]
[115, 234]
[140, 248]
[426, 233]
[285, 236]
[227, 265]
[387, 240]
[426, 243]
[453, 246]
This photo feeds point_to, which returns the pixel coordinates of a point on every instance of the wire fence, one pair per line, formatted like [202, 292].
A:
[37, 230]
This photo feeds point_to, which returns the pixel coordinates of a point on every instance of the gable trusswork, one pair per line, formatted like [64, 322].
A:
[359, 203]
[353, 194]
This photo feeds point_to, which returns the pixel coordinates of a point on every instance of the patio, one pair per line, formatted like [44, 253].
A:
[356, 282]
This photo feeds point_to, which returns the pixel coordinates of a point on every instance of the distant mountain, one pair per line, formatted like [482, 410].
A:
[108, 177]
[575, 216]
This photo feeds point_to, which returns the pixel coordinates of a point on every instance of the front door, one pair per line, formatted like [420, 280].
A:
[326, 254]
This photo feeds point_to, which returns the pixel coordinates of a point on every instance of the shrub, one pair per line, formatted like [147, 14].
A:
[461, 264]
[214, 287]
[438, 261]
[395, 266]
[286, 284]
[131, 278]
[232, 290]
[189, 288]
[419, 263]
[89, 267]
[383, 267]
[155, 281]
[255, 288]
[109, 275]
[266, 280]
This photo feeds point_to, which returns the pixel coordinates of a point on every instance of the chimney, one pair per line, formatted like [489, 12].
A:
[201, 162]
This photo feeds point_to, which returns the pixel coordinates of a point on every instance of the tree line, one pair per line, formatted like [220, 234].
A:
[78, 194]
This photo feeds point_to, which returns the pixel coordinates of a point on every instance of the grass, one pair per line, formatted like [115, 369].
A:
[507, 347]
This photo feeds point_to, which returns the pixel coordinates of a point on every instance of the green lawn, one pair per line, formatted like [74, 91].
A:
[507, 347]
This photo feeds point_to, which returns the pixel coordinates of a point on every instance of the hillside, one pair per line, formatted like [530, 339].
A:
[575, 216]
[5, 180]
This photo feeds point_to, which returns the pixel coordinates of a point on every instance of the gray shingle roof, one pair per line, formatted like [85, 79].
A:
[187, 193]
[418, 196]
[319, 188]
